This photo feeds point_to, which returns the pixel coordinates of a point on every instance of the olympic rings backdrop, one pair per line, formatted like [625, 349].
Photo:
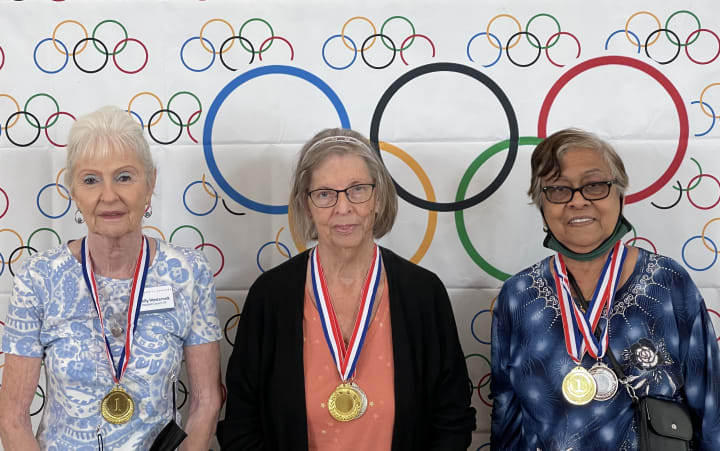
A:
[454, 94]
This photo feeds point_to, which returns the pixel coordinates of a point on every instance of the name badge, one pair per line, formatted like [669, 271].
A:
[157, 299]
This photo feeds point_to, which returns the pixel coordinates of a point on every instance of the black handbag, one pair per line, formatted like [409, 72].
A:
[662, 424]
[172, 434]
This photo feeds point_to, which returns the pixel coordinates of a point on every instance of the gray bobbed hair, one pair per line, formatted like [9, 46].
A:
[338, 141]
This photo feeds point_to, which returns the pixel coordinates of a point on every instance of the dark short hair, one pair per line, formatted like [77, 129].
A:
[545, 160]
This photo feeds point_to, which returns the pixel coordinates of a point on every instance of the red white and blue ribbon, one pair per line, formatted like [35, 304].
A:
[578, 327]
[345, 357]
[136, 292]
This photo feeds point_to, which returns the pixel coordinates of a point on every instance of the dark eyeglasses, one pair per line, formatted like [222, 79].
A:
[558, 194]
[328, 197]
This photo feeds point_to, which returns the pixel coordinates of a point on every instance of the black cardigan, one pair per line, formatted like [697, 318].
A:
[265, 407]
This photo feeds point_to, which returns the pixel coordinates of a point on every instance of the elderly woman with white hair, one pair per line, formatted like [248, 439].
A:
[111, 315]
[347, 345]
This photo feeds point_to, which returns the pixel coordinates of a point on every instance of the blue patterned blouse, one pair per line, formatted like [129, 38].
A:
[51, 315]
[660, 333]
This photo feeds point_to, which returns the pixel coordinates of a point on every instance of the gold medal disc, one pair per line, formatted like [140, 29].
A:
[347, 402]
[117, 406]
[579, 387]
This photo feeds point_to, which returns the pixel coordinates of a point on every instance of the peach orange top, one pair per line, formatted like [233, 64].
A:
[374, 374]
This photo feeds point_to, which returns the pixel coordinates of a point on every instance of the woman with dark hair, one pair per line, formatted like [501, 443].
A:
[582, 337]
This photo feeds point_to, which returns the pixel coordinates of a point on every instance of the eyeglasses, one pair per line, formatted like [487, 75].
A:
[558, 194]
[328, 197]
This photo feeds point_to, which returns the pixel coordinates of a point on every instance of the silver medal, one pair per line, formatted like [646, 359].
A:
[606, 381]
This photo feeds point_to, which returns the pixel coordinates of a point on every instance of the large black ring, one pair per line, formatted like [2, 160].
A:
[539, 47]
[19, 248]
[362, 51]
[666, 30]
[225, 330]
[239, 38]
[509, 112]
[37, 128]
[169, 112]
[75, 58]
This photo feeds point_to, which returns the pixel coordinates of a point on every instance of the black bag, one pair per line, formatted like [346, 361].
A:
[663, 425]
[172, 434]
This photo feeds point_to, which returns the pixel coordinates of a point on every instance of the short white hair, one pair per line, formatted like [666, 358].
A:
[101, 132]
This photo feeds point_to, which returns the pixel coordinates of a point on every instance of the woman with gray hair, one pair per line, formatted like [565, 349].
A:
[111, 315]
[347, 345]
[600, 346]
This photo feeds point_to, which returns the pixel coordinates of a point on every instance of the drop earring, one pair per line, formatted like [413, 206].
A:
[148, 212]
[79, 218]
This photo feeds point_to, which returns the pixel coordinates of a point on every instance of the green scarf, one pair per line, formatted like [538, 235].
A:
[621, 228]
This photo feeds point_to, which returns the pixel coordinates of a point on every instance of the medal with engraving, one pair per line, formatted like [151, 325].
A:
[606, 381]
[117, 406]
[579, 387]
[347, 402]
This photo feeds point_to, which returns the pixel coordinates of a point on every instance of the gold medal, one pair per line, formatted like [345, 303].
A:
[578, 386]
[117, 406]
[347, 402]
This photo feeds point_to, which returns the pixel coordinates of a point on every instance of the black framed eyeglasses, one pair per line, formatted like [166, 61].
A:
[559, 194]
[328, 197]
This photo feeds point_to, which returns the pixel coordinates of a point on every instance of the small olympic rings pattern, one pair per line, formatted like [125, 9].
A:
[207, 45]
[32, 119]
[369, 41]
[210, 190]
[51, 67]
[706, 109]
[513, 40]
[193, 115]
[670, 35]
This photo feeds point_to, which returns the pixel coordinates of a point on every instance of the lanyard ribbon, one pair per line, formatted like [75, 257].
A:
[345, 357]
[578, 327]
[136, 292]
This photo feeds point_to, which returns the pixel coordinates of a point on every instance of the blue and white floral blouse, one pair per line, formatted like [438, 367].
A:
[51, 315]
[660, 333]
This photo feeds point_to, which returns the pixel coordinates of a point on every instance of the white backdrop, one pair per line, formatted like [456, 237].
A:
[443, 129]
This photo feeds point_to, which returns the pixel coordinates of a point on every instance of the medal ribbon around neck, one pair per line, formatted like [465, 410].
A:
[345, 357]
[136, 292]
[578, 327]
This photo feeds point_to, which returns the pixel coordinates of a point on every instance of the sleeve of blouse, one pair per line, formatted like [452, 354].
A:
[24, 317]
[205, 327]
[701, 368]
[242, 428]
[506, 427]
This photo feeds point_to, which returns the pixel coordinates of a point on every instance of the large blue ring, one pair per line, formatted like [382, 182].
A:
[217, 103]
